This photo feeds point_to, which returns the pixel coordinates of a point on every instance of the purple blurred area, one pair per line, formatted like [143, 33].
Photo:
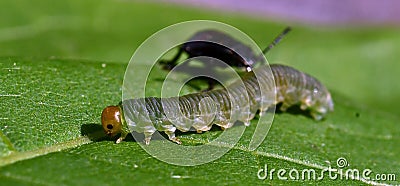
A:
[327, 12]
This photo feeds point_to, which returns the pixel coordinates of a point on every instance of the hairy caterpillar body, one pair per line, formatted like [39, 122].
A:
[202, 110]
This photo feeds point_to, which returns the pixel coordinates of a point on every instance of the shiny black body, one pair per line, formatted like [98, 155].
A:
[213, 43]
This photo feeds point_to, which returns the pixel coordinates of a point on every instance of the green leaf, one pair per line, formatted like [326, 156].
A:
[56, 101]
[50, 104]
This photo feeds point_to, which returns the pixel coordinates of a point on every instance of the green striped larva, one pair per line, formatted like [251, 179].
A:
[148, 115]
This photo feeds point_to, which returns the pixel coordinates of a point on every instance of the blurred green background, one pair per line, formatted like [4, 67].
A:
[364, 56]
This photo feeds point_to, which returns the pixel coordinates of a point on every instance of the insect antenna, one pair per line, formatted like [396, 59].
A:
[277, 39]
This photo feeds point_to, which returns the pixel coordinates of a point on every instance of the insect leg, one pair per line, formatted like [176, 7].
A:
[120, 139]
[124, 133]
[286, 104]
[170, 131]
[211, 84]
[306, 102]
[227, 125]
[317, 116]
[172, 137]
[246, 122]
[170, 64]
[147, 137]
[204, 129]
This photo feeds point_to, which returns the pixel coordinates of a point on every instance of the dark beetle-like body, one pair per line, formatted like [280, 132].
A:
[213, 43]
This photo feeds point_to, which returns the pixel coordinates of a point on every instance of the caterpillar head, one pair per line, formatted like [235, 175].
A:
[111, 120]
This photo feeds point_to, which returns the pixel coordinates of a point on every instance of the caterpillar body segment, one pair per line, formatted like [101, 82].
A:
[295, 87]
[257, 90]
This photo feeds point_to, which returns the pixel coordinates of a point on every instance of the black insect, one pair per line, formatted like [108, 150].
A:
[212, 43]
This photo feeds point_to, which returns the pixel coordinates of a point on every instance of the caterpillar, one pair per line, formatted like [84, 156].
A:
[148, 115]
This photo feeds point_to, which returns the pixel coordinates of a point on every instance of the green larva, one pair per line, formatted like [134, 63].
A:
[148, 115]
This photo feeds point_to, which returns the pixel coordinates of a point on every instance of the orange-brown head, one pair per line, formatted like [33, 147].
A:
[111, 120]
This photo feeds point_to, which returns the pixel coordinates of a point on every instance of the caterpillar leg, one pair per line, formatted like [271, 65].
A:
[203, 129]
[246, 123]
[147, 137]
[285, 106]
[226, 126]
[121, 138]
[172, 137]
[170, 64]
[305, 103]
[317, 116]
[170, 131]
[262, 112]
